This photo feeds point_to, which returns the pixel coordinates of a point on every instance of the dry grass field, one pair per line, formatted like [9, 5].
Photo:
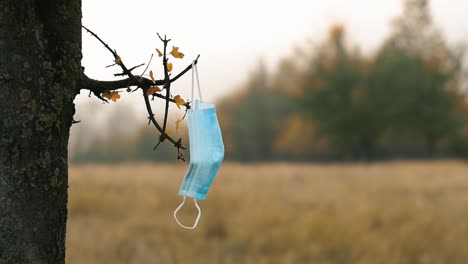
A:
[392, 212]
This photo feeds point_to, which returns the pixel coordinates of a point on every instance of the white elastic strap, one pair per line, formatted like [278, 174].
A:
[196, 220]
[193, 79]
[195, 71]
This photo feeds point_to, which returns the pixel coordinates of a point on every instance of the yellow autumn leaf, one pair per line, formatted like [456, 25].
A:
[118, 61]
[152, 77]
[167, 135]
[177, 123]
[159, 52]
[106, 94]
[115, 96]
[176, 54]
[111, 95]
[153, 90]
[169, 67]
[179, 101]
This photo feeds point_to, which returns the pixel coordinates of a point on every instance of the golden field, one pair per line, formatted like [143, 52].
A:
[391, 212]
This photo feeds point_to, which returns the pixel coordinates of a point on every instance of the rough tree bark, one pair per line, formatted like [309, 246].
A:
[40, 68]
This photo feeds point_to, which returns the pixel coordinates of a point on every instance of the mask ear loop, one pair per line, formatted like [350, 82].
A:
[196, 220]
[195, 72]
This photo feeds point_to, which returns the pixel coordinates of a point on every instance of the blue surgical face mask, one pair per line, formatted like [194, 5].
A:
[206, 151]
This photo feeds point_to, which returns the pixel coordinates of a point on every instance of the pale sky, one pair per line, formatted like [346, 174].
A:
[231, 36]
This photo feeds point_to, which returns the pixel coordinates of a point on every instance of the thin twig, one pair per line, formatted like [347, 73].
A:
[131, 69]
[97, 87]
[100, 40]
[157, 145]
[117, 58]
[185, 70]
[178, 144]
[167, 83]
[147, 66]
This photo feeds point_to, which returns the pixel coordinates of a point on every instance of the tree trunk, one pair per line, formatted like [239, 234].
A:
[40, 69]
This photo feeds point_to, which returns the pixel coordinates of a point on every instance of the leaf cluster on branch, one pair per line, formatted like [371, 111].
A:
[110, 90]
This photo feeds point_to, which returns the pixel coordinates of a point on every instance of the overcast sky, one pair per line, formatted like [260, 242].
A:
[232, 35]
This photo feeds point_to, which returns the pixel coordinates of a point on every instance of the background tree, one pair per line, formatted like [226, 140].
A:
[337, 100]
[253, 118]
[416, 80]
[40, 75]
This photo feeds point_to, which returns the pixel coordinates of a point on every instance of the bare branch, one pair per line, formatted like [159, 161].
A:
[100, 40]
[101, 86]
[117, 58]
[130, 70]
[167, 82]
[187, 104]
[98, 87]
[185, 70]
[98, 95]
[153, 120]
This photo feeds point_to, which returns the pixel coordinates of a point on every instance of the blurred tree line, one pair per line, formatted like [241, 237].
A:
[331, 102]
[124, 144]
